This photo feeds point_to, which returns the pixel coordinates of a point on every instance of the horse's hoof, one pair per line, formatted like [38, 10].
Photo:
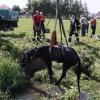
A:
[51, 82]
[57, 84]
[54, 79]
[27, 78]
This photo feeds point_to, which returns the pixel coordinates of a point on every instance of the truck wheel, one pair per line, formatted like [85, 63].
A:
[11, 28]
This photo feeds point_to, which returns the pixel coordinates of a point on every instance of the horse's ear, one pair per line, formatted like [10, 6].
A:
[35, 49]
[22, 54]
[24, 51]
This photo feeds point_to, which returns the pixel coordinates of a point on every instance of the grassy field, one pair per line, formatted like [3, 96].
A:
[12, 44]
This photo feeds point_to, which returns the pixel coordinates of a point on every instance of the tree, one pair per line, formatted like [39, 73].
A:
[76, 9]
[16, 8]
[43, 5]
[67, 7]
[86, 13]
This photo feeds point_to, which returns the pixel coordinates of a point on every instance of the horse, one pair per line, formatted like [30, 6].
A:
[40, 58]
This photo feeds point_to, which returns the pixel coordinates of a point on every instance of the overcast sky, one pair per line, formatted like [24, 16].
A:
[10, 3]
[93, 5]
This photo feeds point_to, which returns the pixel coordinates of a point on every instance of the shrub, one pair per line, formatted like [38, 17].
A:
[10, 75]
[4, 96]
[70, 95]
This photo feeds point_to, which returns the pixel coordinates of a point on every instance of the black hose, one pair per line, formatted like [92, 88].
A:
[0, 17]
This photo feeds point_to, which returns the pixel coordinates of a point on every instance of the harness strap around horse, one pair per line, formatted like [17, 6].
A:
[62, 49]
[53, 36]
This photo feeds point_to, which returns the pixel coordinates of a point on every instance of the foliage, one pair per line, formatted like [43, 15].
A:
[10, 75]
[12, 43]
[70, 95]
[67, 7]
[16, 8]
[4, 96]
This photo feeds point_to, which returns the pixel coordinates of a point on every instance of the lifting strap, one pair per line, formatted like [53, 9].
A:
[48, 22]
[54, 34]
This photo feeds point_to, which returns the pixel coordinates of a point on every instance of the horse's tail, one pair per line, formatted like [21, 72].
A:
[79, 63]
[78, 74]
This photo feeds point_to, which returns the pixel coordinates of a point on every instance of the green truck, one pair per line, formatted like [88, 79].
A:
[8, 19]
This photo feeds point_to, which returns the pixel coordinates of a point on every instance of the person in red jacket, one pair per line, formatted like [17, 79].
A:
[37, 25]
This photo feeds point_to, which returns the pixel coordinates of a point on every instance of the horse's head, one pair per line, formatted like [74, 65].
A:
[27, 56]
[29, 61]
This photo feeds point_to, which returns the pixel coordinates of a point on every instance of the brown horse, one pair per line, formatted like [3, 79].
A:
[40, 58]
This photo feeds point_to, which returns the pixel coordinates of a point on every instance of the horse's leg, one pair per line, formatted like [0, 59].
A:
[78, 82]
[28, 76]
[50, 71]
[65, 68]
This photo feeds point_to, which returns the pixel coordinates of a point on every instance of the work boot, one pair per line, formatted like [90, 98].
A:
[69, 39]
[77, 40]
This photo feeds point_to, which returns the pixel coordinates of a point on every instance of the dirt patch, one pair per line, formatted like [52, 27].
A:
[38, 90]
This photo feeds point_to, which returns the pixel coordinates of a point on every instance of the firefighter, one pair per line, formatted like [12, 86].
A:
[83, 25]
[87, 27]
[74, 28]
[93, 26]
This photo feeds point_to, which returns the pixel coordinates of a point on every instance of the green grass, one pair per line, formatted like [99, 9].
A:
[12, 44]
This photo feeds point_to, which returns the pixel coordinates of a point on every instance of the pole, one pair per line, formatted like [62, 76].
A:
[61, 24]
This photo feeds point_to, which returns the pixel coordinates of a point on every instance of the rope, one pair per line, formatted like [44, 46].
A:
[48, 22]
[60, 30]
[56, 18]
